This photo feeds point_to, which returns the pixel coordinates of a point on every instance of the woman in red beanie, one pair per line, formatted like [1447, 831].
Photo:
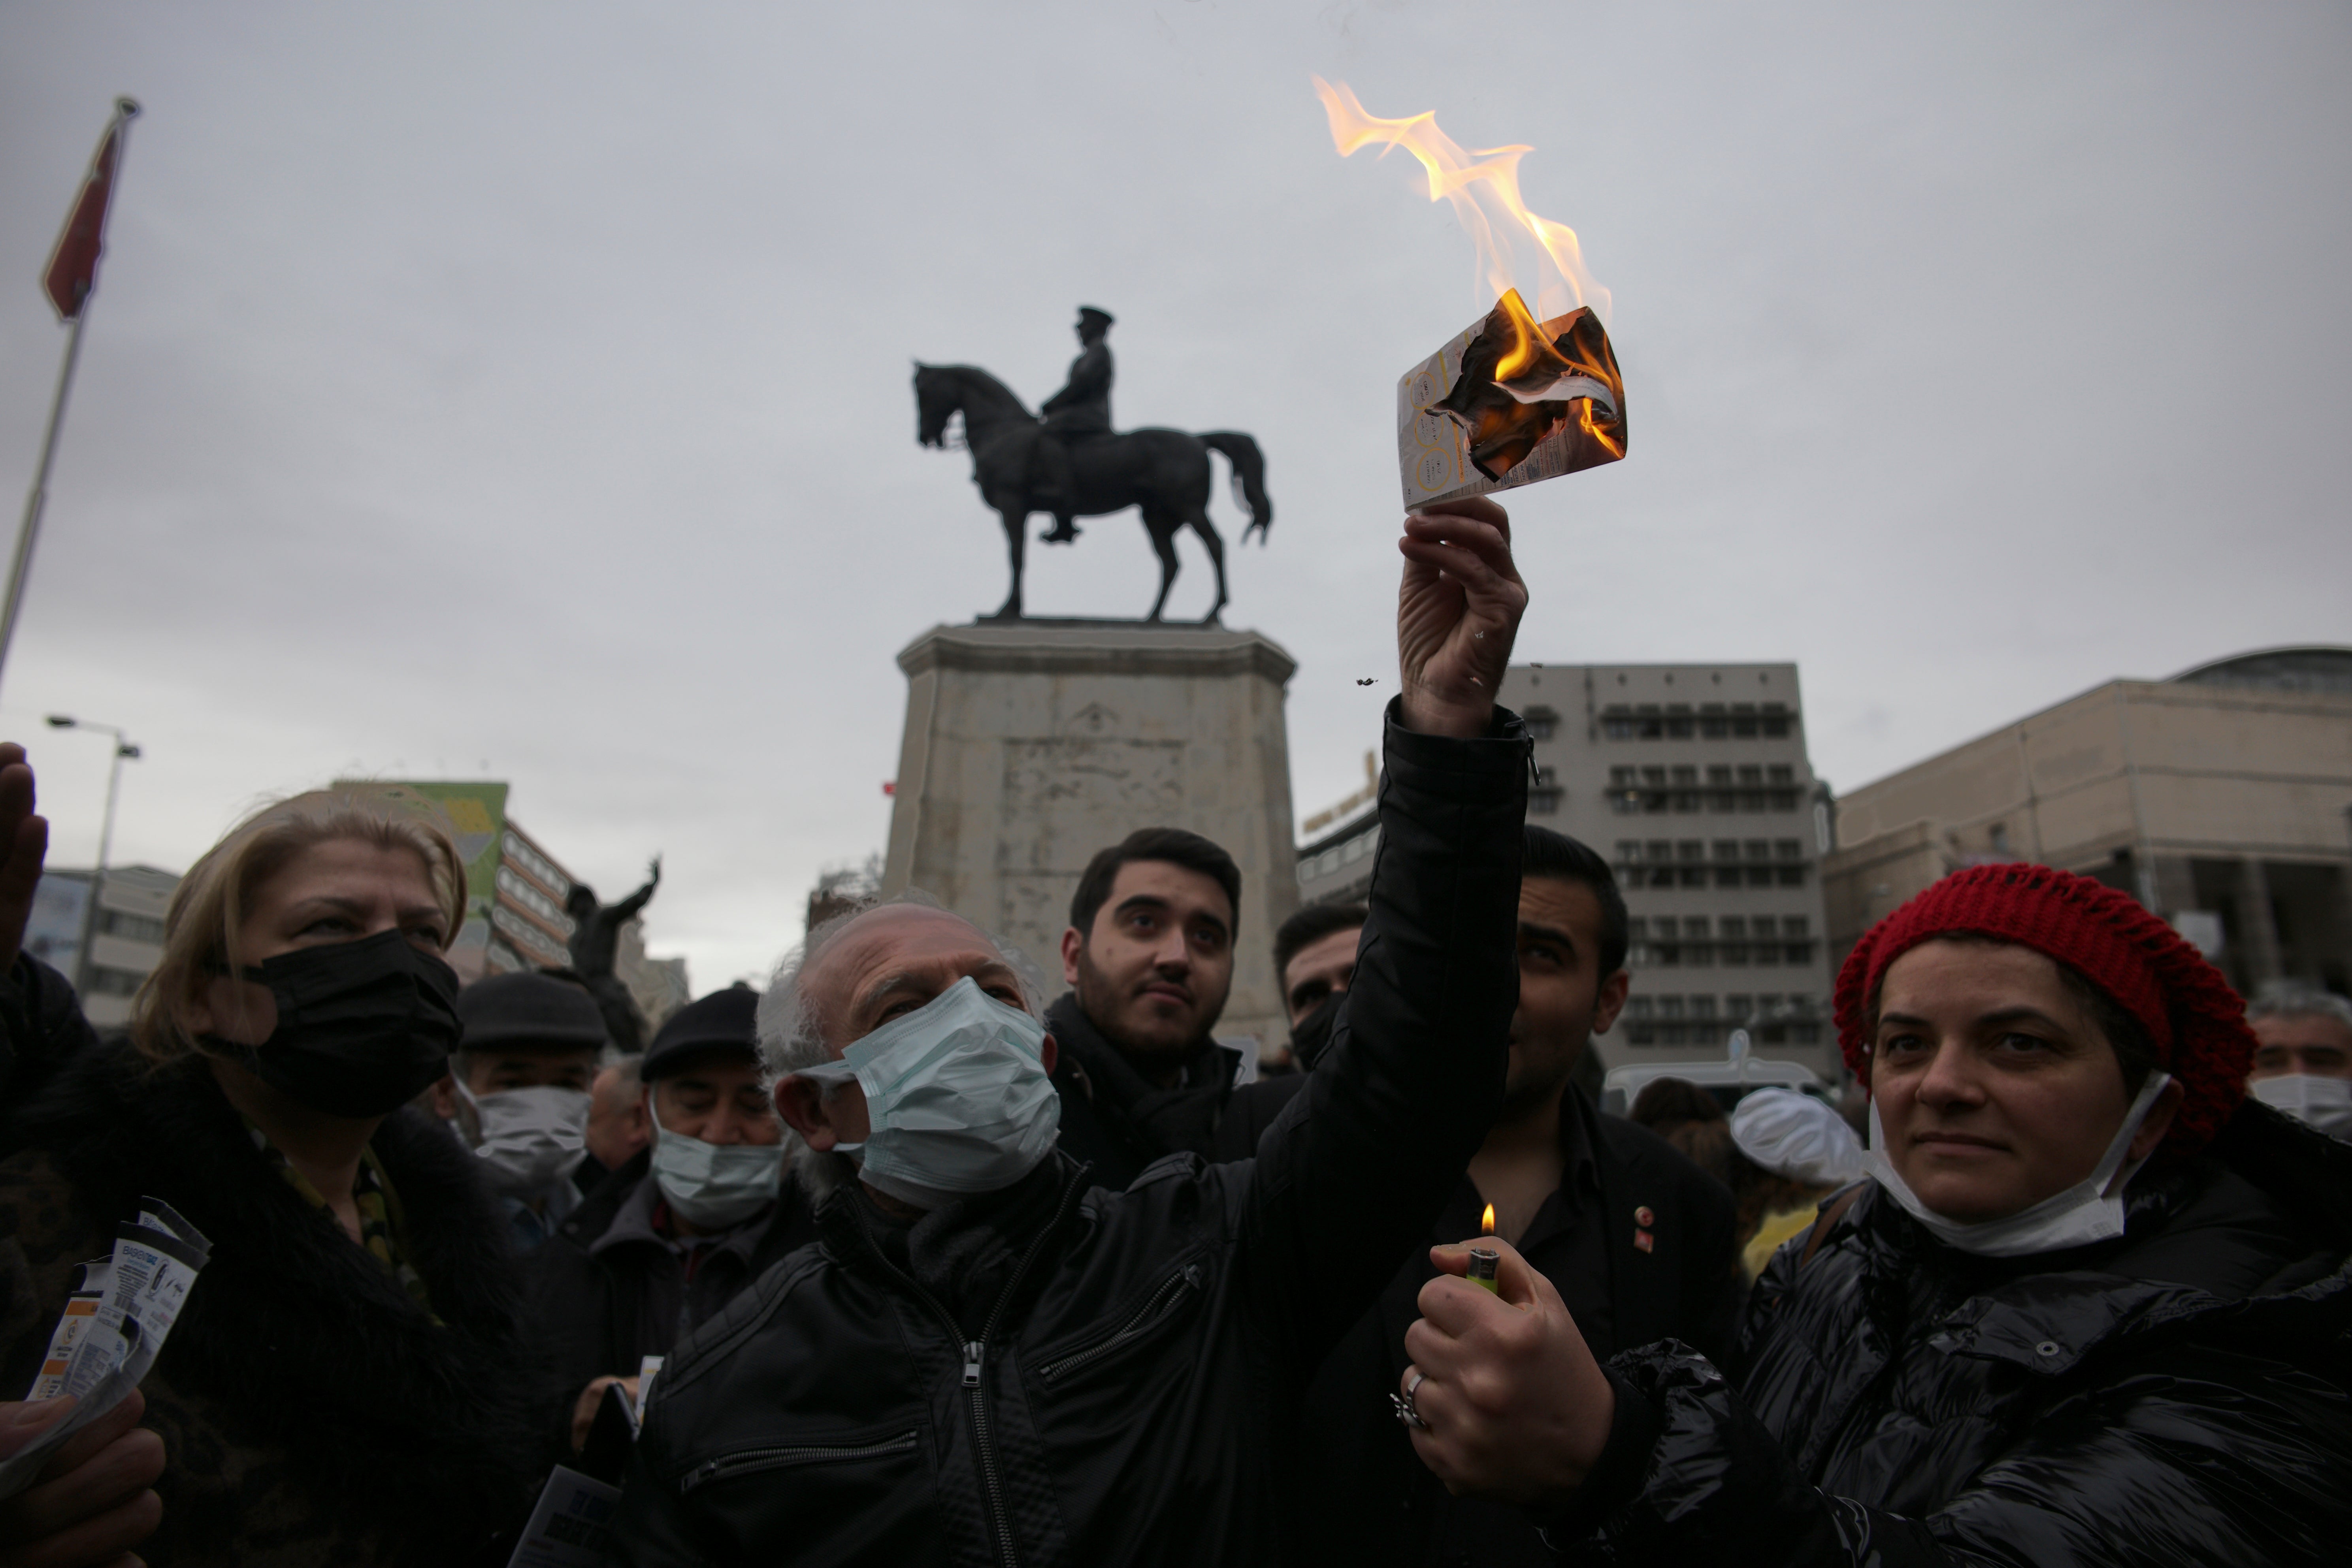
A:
[2091, 1307]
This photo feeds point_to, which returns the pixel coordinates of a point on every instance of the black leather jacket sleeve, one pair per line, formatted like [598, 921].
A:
[2215, 1458]
[1353, 1174]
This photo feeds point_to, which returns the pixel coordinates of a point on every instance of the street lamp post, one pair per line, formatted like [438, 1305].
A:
[84, 970]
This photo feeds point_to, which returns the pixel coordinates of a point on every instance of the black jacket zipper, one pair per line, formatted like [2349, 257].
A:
[975, 1353]
[796, 1454]
[1162, 1304]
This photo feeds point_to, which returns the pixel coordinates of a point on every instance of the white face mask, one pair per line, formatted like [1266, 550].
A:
[2323, 1102]
[956, 1098]
[714, 1186]
[2085, 1213]
[528, 1139]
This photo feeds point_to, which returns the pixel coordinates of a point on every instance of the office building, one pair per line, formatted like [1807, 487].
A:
[1693, 781]
[127, 937]
[2218, 798]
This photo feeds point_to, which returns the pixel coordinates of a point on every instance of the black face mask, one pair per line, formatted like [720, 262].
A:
[1311, 1036]
[363, 1027]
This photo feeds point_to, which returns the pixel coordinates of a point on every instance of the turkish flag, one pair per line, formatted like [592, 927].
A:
[73, 266]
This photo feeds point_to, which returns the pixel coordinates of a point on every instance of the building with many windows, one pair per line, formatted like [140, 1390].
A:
[1693, 781]
[126, 939]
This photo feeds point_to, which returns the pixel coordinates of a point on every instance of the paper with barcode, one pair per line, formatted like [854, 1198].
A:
[568, 1529]
[112, 1328]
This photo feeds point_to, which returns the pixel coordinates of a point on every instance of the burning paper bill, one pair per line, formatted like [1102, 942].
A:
[1509, 402]
[1521, 395]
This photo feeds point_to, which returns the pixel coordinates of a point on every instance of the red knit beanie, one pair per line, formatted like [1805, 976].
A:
[2197, 1023]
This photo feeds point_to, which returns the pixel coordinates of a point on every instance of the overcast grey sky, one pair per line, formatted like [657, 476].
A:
[522, 389]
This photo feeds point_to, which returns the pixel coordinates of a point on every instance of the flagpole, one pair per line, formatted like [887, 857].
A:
[20, 565]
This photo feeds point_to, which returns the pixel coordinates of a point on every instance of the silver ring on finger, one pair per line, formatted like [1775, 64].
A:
[1406, 1411]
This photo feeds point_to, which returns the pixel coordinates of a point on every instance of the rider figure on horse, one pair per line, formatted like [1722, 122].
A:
[1080, 411]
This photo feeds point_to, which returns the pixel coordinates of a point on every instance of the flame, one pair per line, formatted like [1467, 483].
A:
[1484, 186]
[1527, 340]
[1486, 1221]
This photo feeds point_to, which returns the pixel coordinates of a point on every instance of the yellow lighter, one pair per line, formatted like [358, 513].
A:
[1484, 1261]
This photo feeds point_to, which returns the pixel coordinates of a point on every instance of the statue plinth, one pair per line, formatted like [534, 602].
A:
[1031, 745]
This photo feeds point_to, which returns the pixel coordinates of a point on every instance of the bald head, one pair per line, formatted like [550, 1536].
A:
[893, 959]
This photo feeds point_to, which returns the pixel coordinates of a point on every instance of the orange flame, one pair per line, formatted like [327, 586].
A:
[1527, 341]
[1484, 186]
[1486, 1221]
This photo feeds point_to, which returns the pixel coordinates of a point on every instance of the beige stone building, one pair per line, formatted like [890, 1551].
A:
[2218, 799]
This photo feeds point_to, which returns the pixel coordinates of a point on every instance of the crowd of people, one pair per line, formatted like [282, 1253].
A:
[905, 1259]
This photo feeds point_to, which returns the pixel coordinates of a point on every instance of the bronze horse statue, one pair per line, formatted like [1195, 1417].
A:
[1164, 472]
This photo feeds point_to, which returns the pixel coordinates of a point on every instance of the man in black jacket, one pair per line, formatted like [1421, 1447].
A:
[1045, 1370]
[1149, 958]
[628, 1272]
[1629, 1232]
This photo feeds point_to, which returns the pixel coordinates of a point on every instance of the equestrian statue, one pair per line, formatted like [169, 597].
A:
[1072, 465]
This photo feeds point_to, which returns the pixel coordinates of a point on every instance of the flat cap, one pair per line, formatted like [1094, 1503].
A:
[530, 1009]
[721, 1021]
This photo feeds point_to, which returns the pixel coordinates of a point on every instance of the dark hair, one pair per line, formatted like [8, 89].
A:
[2135, 1052]
[1311, 925]
[1562, 858]
[1665, 1102]
[1173, 845]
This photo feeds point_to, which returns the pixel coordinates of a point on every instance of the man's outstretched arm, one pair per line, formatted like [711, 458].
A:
[1354, 1172]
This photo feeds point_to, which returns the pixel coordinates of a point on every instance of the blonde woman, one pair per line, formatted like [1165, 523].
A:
[344, 1385]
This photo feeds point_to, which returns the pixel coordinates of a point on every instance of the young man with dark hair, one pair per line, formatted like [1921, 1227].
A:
[1149, 958]
[1629, 1232]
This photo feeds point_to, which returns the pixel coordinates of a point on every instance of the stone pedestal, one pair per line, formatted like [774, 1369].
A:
[1031, 745]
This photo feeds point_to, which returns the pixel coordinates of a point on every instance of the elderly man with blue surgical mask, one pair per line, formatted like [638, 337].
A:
[517, 1092]
[679, 1231]
[989, 1358]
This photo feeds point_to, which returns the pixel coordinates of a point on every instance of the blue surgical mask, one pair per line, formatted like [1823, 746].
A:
[956, 1097]
[528, 1139]
[714, 1186]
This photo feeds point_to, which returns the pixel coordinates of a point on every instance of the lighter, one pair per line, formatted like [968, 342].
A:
[1484, 1261]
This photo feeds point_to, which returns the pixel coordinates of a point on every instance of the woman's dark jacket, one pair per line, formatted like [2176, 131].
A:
[311, 1413]
[2180, 1394]
[1061, 1373]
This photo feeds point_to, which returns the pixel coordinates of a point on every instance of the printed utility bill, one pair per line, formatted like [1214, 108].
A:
[1510, 401]
[112, 1328]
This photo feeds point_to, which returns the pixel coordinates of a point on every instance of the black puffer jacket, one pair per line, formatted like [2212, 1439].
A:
[1089, 1376]
[2181, 1394]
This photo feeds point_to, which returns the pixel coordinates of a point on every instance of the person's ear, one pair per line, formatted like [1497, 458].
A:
[2160, 1121]
[445, 1098]
[800, 1104]
[1611, 1002]
[1073, 941]
[1049, 1053]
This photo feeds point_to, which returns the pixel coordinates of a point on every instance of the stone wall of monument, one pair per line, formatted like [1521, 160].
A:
[1028, 747]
